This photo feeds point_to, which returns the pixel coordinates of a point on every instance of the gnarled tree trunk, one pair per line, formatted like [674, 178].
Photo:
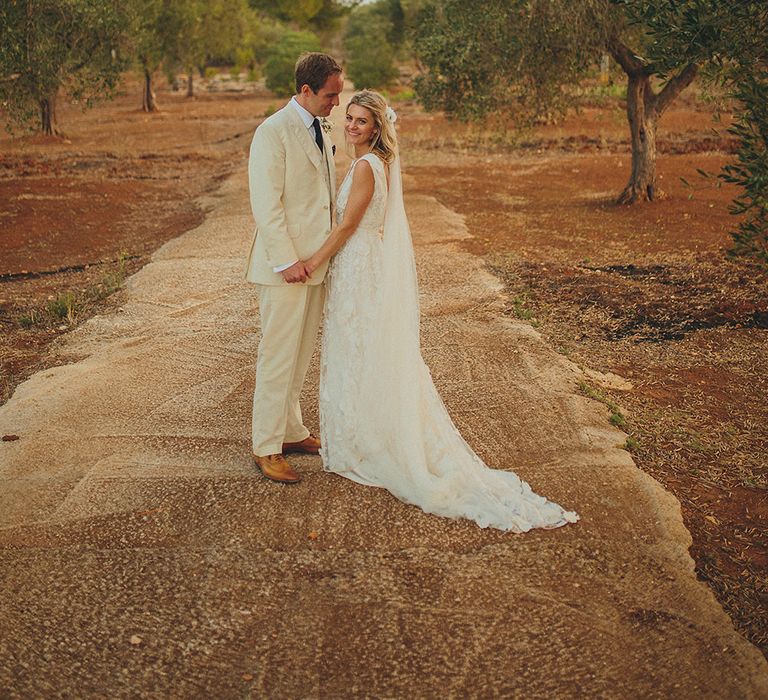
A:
[642, 126]
[644, 108]
[148, 103]
[190, 84]
[48, 116]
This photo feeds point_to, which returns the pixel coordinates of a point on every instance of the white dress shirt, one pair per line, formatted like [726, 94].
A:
[307, 118]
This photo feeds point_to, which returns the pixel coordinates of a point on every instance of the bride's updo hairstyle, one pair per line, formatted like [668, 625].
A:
[384, 141]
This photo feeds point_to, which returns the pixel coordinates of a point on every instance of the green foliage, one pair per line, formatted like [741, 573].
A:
[189, 34]
[616, 418]
[183, 34]
[319, 15]
[145, 40]
[69, 306]
[370, 43]
[631, 444]
[505, 56]
[281, 60]
[602, 93]
[520, 307]
[63, 306]
[458, 47]
[53, 45]
[264, 33]
[750, 171]
[403, 95]
[30, 319]
[228, 26]
[697, 31]
[298, 11]
[113, 279]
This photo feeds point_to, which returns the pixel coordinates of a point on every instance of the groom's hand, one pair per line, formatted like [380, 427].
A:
[295, 273]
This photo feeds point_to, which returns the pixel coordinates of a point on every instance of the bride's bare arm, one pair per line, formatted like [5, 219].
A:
[360, 195]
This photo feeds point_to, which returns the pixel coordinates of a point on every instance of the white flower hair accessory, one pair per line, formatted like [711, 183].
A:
[391, 115]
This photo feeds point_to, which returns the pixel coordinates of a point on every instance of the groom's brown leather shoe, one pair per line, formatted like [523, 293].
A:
[275, 467]
[310, 445]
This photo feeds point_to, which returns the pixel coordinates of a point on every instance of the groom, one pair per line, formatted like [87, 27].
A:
[292, 182]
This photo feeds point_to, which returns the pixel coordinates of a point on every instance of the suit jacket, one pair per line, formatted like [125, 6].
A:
[293, 191]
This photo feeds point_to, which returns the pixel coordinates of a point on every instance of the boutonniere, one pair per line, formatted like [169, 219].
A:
[326, 124]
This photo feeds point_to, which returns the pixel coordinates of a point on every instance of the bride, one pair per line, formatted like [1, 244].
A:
[382, 422]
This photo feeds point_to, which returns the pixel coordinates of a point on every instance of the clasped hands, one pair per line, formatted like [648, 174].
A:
[300, 271]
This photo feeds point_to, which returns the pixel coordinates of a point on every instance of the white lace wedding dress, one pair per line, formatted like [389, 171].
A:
[382, 422]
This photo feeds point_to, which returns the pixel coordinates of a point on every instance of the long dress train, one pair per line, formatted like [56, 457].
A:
[382, 421]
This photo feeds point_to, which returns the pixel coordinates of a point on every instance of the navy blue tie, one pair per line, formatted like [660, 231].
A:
[318, 134]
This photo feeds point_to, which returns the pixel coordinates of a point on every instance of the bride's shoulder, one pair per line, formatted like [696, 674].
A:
[374, 160]
[371, 168]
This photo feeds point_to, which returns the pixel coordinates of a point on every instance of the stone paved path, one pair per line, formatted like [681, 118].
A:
[142, 556]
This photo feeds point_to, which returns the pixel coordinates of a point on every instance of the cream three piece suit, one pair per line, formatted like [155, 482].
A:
[293, 191]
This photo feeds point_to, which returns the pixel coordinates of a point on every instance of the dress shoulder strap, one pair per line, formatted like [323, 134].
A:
[379, 171]
[375, 162]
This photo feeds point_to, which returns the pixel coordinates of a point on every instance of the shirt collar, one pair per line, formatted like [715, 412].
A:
[306, 117]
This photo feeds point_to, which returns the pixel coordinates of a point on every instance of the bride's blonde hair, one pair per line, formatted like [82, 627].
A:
[384, 141]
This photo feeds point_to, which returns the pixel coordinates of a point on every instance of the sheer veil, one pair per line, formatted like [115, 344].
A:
[398, 284]
[393, 355]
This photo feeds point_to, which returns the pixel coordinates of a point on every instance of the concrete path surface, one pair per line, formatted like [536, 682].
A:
[143, 556]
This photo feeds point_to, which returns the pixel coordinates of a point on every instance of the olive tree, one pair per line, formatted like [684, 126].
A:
[730, 42]
[184, 37]
[523, 56]
[147, 45]
[53, 46]
[194, 33]
[187, 34]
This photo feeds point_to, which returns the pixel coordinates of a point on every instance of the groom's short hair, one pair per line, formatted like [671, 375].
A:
[314, 69]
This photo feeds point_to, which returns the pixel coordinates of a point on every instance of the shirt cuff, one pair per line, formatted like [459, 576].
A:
[280, 268]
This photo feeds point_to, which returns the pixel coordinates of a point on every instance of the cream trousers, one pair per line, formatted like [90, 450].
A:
[290, 318]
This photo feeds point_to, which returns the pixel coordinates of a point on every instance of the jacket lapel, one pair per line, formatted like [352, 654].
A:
[328, 156]
[301, 133]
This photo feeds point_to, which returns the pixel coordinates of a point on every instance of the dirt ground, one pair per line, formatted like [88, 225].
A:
[81, 212]
[644, 292]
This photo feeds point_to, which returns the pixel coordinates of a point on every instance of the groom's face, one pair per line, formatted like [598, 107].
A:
[321, 103]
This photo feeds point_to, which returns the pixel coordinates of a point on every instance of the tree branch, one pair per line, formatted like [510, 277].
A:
[625, 57]
[88, 56]
[673, 88]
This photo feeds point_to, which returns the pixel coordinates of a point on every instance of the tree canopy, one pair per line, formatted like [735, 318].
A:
[319, 15]
[281, 60]
[373, 35]
[507, 55]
